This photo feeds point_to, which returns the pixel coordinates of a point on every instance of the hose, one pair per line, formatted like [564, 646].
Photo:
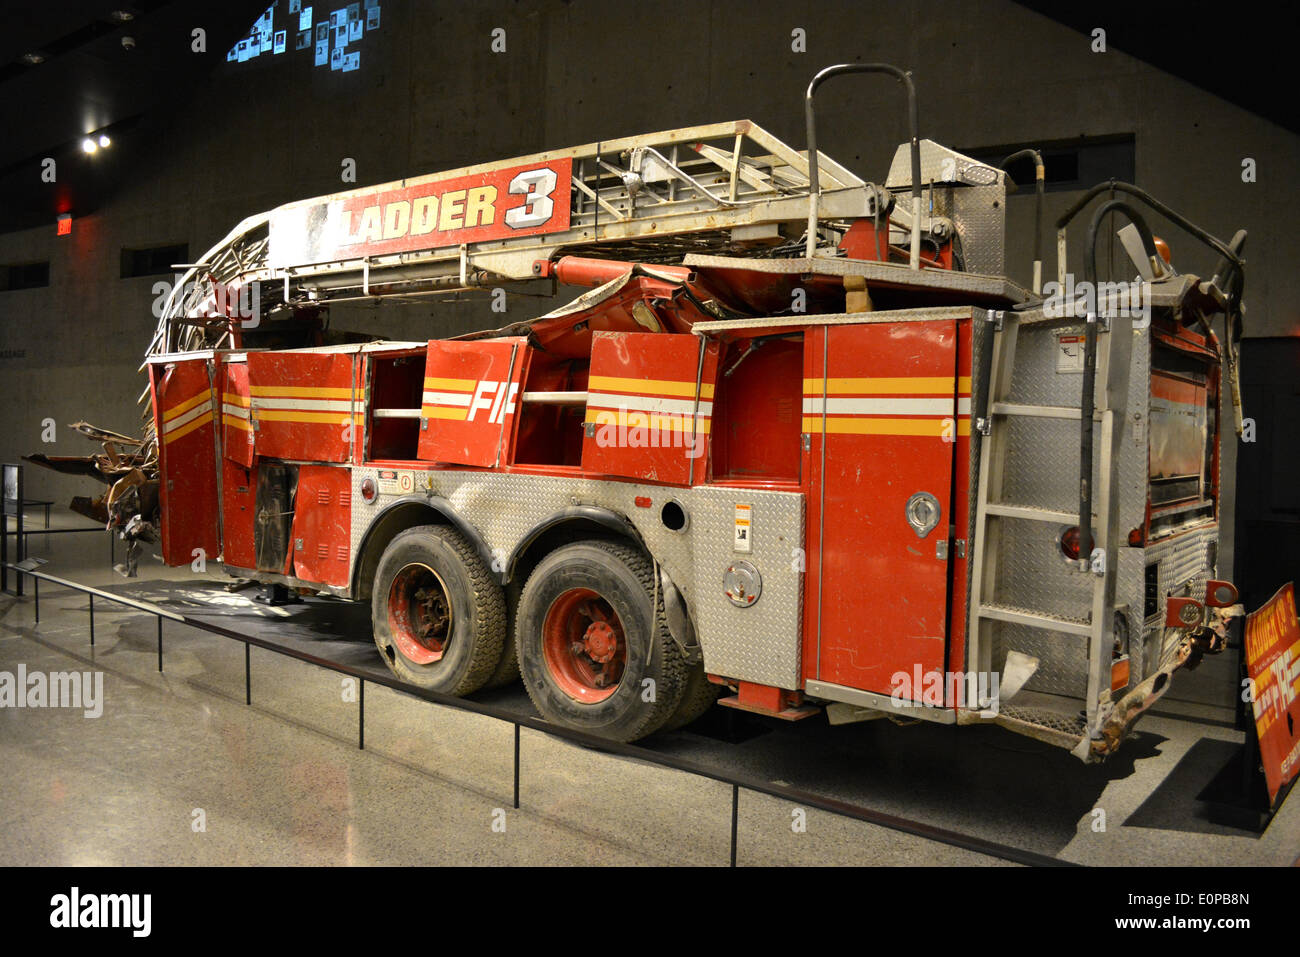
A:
[1040, 183]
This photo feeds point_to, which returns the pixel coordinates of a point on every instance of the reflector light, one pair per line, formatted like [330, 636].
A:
[369, 490]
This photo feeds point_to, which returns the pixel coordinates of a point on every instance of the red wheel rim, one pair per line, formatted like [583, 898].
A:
[584, 646]
[419, 614]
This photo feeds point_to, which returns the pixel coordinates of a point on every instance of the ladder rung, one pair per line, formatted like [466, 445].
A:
[1031, 513]
[1040, 411]
[1034, 619]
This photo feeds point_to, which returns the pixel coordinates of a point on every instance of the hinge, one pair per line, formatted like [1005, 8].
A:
[424, 424]
[941, 549]
[983, 426]
[995, 316]
[805, 439]
[961, 547]
[589, 429]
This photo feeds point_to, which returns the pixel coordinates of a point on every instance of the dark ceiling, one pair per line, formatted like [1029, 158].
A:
[89, 82]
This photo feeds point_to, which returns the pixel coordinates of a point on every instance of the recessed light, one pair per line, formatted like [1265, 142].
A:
[88, 145]
[122, 16]
[104, 140]
[31, 59]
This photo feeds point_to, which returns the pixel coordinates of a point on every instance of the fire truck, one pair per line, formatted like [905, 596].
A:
[800, 443]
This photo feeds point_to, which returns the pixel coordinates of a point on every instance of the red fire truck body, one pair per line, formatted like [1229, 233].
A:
[830, 480]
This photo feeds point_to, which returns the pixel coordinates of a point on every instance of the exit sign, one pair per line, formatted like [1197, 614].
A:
[65, 224]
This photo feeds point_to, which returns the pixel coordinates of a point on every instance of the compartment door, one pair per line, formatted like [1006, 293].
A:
[304, 405]
[236, 413]
[187, 459]
[643, 418]
[889, 426]
[471, 394]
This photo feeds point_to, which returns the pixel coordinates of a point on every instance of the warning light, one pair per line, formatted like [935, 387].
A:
[65, 224]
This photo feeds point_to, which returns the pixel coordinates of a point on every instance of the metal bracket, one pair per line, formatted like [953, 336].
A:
[1097, 561]
[589, 429]
[941, 549]
[805, 439]
[961, 547]
[983, 426]
[995, 317]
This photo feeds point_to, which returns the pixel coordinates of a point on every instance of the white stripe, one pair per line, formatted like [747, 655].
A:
[879, 406]
[322, 405]
[963, 405]
[447, 398]
[238, 410]
[189, 416]
[647, 403]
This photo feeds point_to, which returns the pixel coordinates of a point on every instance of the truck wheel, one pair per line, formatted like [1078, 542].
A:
[699, 696]
[594, 652]
[438, 613]
[507, 670]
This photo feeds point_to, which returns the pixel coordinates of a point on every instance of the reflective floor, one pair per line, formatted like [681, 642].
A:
[178, 770]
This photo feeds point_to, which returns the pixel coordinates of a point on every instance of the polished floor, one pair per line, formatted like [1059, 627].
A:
[178, 770]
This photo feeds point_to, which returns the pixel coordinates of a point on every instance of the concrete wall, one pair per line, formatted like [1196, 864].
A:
[431, 95]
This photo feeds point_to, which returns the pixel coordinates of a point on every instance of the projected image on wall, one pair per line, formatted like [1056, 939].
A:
[332, 37]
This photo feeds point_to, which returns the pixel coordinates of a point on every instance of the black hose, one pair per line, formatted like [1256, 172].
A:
[1040, 183]
[1177, 218]
[1087, 402]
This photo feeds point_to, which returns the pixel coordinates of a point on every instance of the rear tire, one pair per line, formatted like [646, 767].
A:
[594, 653]
[700, 695]
[507, 670]
[439, 616]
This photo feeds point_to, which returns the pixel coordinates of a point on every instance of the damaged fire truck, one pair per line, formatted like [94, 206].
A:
[800, 440]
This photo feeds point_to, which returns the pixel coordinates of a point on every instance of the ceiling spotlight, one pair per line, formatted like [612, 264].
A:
[31, 59]
[104, 140]
[88, 145]
[122, 16]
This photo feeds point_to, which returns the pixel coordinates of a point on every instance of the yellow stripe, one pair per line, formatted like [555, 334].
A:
[444, 412]
[300, 392]
[191, 402]
[237, 422]
[297, 415]
[236, 399]
[659, 387]
[855, 425]
[189, 427]
[904, 385]
[436, 384]
[660, 423]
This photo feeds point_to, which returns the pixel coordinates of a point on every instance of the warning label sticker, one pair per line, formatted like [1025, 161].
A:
[1069, 353]
[392, 482]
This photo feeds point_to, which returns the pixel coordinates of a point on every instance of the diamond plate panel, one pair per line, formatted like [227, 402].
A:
[760, 643]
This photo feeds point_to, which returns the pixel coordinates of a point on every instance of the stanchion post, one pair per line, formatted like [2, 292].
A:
[160, 643]
[735, 808]
[90, 603]
[248, 677]
[361, 716]
[36, 593]
[516, 766]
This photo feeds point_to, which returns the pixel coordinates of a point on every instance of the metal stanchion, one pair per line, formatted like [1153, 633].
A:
[160, 642]
[90, 603]
[361, 716]
[735, 809]
[516, 767]
[248, 677]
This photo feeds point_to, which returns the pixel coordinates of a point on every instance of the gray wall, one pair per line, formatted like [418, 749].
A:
[430, 95]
